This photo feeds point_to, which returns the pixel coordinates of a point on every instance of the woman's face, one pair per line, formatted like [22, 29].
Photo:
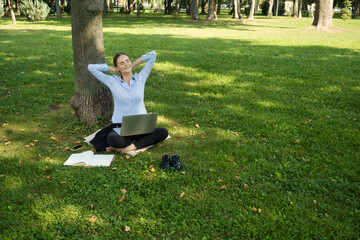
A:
[124, 64]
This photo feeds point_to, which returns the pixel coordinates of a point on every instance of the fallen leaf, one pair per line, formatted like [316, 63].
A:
[220, 180]
[223, 187]
[259, 210]
[77, 142]
[123, 191]
[152, 170]
[48, 177]
[230, 159]
[32, 144]
[52, 138]
[203, 136]
[20, 161]
[35, 141]
[236, 134]
[181, 195]
[254, 209]
[127, 228]
[245, 185]
[92, 219]
[127, 156]
[121, 199]
[7, 143]
[27, 146]
[192, 112]
[21, 130]
[297, 141]
[91, 205]
[237, 177]
[62, 182]
[197, 125]
[183, 173]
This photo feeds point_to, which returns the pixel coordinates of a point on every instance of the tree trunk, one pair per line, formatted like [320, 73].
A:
[91, 99]
[252, 10]
[300, 9]
[355, 8]
[177, 8]
[203, 3]
[18, 6]
[296, 9]
[271, 4]
[194, 9]
[237, 10]
[104, 8]
[323, 13]
[58, 10]
[218, 11]
[212, 10]
[137, 9]
[129, 7]
[13, 19]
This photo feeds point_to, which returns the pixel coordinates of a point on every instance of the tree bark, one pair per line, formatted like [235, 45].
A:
[237, 10]
[355, 8]
[252, 10]
[13, 18]
[323, 13]
[300, 9]
[218, 10]
[194, 9]
[296, 9]
[58, 10]
[91, 99]
[212, 10]
[177, 8]
[271, 4]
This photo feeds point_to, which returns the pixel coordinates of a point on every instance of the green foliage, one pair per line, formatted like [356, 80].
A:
[34, 10]
[277, 110]
[345, 11]
[265, 7]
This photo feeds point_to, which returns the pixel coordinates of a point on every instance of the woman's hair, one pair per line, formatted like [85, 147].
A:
[117, 56]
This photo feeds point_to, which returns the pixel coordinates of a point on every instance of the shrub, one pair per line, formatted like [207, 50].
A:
[36, 10]
[345, 12]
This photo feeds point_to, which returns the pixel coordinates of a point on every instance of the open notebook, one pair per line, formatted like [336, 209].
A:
[88, 158]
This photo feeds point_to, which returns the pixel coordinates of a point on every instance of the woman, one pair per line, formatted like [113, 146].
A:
[128, 92]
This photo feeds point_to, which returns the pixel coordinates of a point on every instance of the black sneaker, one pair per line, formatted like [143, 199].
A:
[165, 163]
[175, 162]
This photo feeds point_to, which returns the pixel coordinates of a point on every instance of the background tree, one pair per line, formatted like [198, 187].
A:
[177, 8]
[323, 13]
[203, 4]
[270, 8]
[345, 11]
[355, 8]
[58, 9]
[252, 10]
[13, 18]
[194, 10]
[91, 99]
[212, 10]
[237, 10]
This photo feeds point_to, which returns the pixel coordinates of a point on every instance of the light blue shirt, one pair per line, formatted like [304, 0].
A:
[128, 100]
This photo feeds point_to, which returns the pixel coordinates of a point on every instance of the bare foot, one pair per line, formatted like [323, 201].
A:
[112, 149]
[129, 148]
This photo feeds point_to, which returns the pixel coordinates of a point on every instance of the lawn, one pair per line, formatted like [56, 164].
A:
[264, 115]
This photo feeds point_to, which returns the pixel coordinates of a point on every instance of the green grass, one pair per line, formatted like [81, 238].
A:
[276, 102]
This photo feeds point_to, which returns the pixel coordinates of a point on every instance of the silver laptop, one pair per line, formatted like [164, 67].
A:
[137, 124]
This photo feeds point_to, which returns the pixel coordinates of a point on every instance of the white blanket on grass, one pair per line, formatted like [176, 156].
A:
[131, 153]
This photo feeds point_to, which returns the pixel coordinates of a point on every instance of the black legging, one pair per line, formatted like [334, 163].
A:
[140, 141]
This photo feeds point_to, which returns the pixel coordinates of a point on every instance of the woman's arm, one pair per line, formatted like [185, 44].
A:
[97, 70]
[150, 59]
[137, 62]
